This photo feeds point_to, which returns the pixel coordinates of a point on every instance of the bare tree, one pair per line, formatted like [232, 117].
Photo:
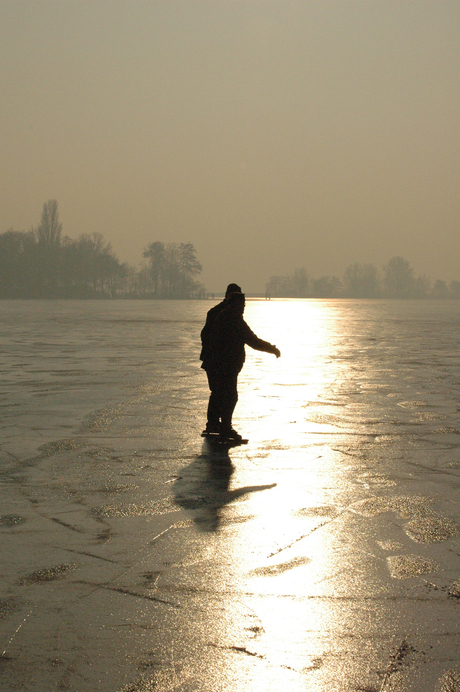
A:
[399, 278]
[156, 254]
[294, 285]
[440, 289]
[173, 268]
[361, 281]
[50, 229]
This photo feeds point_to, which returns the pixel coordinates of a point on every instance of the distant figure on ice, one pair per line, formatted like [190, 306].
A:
[224, 359]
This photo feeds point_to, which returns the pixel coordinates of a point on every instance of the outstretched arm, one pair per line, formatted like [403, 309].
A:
[259, 344]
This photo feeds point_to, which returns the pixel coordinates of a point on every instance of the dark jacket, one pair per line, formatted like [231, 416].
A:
[228, 336]
[206, 346]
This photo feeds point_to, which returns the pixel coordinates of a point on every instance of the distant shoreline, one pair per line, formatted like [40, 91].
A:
[218, 297]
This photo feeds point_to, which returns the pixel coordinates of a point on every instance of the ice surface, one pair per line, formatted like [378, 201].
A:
[323, 555]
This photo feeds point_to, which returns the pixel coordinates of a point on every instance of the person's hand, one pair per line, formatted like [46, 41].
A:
[276, 352]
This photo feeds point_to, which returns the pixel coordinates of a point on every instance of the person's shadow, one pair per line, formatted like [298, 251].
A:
[203, 487]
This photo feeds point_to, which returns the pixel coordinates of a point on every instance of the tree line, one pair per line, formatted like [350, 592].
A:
[42, 263]
[397, 280]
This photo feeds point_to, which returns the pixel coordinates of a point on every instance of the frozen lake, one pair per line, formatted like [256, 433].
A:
[87, 363]
[322, 556]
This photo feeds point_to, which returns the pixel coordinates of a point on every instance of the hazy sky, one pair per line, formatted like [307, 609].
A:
[270, 134]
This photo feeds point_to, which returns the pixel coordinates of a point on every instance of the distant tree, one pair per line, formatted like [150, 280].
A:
[326, 287]
[454, 289]
[91, 268]
[48, 256]
[173, 268]
[274, 286]
[45, 264]
[18, 275]
[440, 289]
[398, 278]
[361, 281]
[156, 255]
[50, 229]
[140, 282]
[300, 282]
[189, 268]
[422, 286]
[295, 285]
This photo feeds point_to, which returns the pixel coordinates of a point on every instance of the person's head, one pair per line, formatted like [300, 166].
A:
[232, 288]
[236, 302]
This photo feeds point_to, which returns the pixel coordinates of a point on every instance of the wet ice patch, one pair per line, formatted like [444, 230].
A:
[49, 574]
[376, 481]
[280, 568]
[406, 566]
[412, 404]
[425, 415]
[100, 421]
[325, 511]
[431, 529]
[68, 445]
[231, 521]
[454, 589]
[390, 545]
[449, 682]
[10, 520]
[448, 431]
[7, 606]
[425, 526]
[183, 524]
[115, 489]
[162, 679]
[99, 453]
[371, 506]
[407, 506]
[384, 438]
[145, 509]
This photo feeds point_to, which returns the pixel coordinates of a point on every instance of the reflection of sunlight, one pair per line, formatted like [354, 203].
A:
[283, 551]
[280, 557]
[275, 392]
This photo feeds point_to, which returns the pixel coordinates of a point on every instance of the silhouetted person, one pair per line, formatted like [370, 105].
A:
[214, 415]
[228, 337]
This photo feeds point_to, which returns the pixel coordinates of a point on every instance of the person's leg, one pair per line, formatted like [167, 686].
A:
[228, 394]
[213, 414]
